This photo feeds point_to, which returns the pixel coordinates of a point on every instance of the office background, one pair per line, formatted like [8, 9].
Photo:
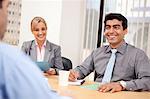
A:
[77, 25]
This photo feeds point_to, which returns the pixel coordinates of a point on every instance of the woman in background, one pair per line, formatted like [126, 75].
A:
[40, 49]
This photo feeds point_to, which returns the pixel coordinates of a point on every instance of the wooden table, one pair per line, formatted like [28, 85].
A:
[81, 93]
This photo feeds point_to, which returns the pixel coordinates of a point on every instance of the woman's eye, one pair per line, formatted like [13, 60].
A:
[43, 29]
[36, 30]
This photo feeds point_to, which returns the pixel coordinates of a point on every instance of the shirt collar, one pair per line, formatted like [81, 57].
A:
[42, 45]
[121, 49]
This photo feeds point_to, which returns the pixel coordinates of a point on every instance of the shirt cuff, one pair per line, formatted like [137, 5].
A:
[123, 83]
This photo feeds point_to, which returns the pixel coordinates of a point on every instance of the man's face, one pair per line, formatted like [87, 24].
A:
[114, 32]
[3, 17]
[39, 31]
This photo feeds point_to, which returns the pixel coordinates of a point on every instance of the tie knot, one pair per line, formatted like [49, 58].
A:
[113, 51]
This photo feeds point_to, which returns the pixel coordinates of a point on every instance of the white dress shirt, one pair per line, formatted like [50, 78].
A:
[40, 53]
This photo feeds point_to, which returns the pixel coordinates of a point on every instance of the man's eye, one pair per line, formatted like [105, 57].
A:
[107, 27]
[116, 27]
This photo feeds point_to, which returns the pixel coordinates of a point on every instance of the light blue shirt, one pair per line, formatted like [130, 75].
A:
[20, 78]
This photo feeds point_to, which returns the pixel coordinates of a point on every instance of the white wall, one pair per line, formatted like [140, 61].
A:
[64, 19]
[71, 29]
[50, 10]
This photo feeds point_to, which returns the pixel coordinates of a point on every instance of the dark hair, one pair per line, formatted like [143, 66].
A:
[117, 16]
[1, 3]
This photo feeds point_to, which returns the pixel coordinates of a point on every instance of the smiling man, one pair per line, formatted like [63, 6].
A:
[119, 65]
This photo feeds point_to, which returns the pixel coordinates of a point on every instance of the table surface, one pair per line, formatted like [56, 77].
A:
[83, 93]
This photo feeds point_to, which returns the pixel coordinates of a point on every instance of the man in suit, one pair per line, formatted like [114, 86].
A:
[128, 69]
[41, 49]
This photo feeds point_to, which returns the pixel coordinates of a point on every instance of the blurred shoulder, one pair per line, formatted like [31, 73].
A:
[11, 52]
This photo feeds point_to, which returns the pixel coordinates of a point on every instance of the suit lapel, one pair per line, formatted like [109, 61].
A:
[47, 51]
[33, 51]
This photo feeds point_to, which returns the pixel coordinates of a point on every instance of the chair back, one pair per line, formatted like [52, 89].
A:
[66, 63]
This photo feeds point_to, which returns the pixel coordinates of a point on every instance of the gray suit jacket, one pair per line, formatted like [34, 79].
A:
[132, 66]
[52, 53]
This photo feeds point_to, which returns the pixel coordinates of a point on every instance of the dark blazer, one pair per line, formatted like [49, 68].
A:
[52, 53]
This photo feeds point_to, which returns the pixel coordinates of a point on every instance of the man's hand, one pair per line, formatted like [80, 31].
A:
[111, 87]
[73, 75]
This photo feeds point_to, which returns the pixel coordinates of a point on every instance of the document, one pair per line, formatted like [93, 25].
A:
[44, 66]
[77, 82]
[92, 86]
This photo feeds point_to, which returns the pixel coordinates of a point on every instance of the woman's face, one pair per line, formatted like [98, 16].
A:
[39, 31]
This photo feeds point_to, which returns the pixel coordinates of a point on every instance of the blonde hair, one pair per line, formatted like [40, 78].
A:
[38, 20]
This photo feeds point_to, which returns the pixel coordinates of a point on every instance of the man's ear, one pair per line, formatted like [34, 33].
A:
[125, 31]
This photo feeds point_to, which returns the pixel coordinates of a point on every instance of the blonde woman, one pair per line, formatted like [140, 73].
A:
[40, 49]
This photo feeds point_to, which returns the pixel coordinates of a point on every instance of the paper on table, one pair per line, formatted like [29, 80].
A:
[77, 82]
[92, 86]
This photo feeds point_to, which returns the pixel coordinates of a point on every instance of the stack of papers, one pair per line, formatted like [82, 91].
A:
[77, 82]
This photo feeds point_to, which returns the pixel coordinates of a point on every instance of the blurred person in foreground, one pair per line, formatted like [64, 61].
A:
[131, 68]
[19, 77]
